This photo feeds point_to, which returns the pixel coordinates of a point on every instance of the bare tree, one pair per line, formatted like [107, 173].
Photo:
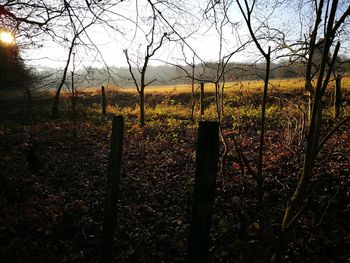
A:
[320, 55]
[76, 34]
[151, 48]
[191, 76]
[303, 45]
[36, 20]
[246, 9]
[328, 12]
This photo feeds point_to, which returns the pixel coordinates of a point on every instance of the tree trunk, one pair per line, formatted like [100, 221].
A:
[297, 203]
[202, 100]
[310, 101]
[193, 94]
[222, 99]
[54, 113]
[260, 178]
[337, 97]
[142, 107]
[217, 101]
[74, 109]
[294, 208]
[103, 101]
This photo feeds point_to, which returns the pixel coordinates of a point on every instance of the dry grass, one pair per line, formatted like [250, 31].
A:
[276, 85]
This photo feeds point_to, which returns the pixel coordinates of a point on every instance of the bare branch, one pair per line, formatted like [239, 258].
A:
[130, 70]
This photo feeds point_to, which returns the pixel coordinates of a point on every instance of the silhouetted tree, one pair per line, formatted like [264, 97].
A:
[13, 73]
[151, 48]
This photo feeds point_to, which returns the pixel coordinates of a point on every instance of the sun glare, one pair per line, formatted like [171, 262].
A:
[7, 37]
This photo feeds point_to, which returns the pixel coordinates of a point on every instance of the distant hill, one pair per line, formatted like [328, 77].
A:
[173, 75]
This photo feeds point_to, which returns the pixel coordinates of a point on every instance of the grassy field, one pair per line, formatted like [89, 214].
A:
[287, 103]
[275, 84]
[56, 214]
[241, 100]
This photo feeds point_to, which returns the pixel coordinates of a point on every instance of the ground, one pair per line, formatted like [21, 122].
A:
[56, 214]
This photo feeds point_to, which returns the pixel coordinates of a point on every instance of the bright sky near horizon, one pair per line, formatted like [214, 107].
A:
[53, 55]
[204, 40]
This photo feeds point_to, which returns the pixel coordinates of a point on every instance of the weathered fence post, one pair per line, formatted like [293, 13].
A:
[103, 101]
[337, 96]
[207, 156]
[201, 99]
[112, 193]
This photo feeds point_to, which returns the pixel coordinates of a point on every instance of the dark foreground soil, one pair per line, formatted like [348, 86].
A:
[55, 214]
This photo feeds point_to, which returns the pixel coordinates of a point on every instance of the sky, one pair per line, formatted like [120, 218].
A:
[204, 38]
[204, 41]
[54, 55]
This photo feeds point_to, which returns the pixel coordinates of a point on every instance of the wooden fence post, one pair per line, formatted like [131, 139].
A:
[112, 193]
[201, 99]
[103, 101]
[337, 96]
[207, 157]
